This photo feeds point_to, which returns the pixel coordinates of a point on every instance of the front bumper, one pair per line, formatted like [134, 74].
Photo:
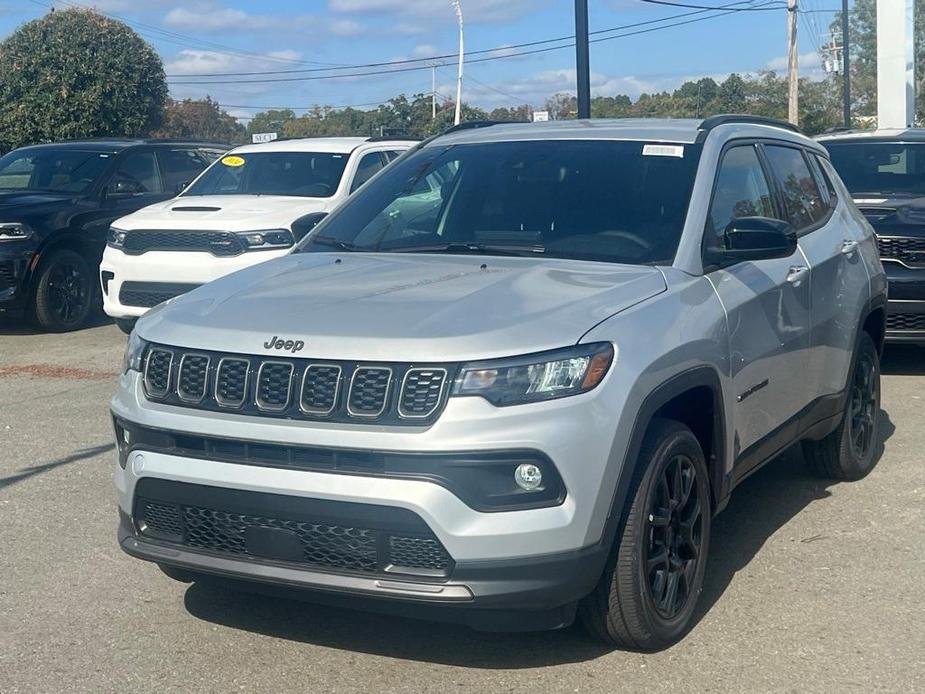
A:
[906, 307]
[169, 270]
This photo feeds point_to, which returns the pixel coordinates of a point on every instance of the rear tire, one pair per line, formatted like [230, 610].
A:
[126, 325]
[850, 452]
[646, 598]
[66, 293]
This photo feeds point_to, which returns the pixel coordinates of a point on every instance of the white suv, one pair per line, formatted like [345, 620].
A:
[251, 205]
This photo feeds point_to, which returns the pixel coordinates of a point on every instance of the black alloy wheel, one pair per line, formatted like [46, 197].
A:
[864, 405]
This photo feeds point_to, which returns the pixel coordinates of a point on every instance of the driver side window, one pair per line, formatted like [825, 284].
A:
[137, 174]
[741, 191]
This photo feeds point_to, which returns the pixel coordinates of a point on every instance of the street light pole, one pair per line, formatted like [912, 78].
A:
[459, 71]
[582, 60]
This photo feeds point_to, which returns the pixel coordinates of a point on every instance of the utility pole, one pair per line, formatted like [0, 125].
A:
[846, 65]
[792, 63]
[582, 60]
[459, 71]
[433, 92]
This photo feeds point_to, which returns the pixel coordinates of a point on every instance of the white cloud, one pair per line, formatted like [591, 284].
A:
[806, 61]
[210, 16]
[215, 19]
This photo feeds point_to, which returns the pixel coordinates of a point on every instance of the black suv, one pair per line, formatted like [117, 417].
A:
[56, 204]
[884, 171]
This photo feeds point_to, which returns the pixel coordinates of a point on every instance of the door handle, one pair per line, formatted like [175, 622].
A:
[848, 247]
[797, 274]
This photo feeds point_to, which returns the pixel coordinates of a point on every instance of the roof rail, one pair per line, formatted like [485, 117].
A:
[386, 138]
[723, 119]
[472, 124]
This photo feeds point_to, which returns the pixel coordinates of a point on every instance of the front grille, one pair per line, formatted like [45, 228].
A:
[149, 294]
[218, 243]
[336, 536]
[908, 250]
[403, 394]
[905, 321]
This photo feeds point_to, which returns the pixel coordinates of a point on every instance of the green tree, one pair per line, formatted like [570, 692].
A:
[76, 73]
[272, 121]
[200, 119]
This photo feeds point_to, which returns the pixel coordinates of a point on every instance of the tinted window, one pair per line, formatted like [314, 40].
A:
[302, 174]
[741, 191]
[803, 203]
[61, 171]
[137, 173]
[592, 200]
[880, 168]
[179, 166]
[369, 165]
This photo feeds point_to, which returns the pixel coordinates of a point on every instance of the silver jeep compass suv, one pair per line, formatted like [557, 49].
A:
[514, 377]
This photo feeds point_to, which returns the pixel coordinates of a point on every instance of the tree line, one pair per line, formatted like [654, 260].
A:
[77, 73]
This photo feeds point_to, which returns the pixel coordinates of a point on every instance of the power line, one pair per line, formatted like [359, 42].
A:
[379, 73]
[706, 7]
[448, 56]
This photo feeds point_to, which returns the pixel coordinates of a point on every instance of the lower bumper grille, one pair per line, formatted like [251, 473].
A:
[342, 537]
[149, 294]
[905, 321]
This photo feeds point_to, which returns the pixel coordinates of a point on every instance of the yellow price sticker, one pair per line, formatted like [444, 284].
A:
[233, 161]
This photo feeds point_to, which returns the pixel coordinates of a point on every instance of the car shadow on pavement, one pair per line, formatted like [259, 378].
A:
[13, 324]
[77, 456]
[760, 507]
[903, 360]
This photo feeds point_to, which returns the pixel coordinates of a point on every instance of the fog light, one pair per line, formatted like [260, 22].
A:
[528, 477]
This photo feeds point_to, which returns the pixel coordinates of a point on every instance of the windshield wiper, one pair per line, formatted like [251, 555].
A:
[474, 248]
[334, 243]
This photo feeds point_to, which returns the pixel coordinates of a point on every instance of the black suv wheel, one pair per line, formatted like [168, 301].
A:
[65, 292]
[647, 595]
[850, 452]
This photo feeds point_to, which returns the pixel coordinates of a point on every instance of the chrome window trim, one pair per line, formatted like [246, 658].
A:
[274, 408]
[385, 399]
[401, 393]
[313, 411]
[247, 376]
[205, 383]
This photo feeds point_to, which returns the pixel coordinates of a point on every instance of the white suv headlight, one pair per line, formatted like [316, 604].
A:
[14, 231]
[535, 377]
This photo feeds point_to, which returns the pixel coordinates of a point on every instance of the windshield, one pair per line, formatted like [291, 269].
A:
[300, 174]
[880, 168]
[589, 199]
[52, 170]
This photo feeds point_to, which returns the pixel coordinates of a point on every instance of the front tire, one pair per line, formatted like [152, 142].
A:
[850, 452]
[65, 292]
[646, 598]
[126, 325]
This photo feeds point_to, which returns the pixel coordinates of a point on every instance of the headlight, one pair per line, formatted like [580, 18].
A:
[134, 353]
[14, 231]
[266, 239]
[115, 238]
[535, 377]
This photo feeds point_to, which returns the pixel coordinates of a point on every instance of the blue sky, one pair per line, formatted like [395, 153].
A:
[236, 36]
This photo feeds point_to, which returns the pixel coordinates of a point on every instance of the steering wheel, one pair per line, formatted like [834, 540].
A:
[642, 243]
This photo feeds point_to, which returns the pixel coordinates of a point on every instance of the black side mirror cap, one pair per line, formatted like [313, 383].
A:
[305, 224]
[755, 238]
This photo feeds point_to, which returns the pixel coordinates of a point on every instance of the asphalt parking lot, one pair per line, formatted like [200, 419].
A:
[811, 586]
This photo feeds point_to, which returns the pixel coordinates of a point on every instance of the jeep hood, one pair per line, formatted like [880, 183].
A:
[224, 212]
[401, 307]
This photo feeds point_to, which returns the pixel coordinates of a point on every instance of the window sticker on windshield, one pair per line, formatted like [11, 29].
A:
[233, 161]
[663, 151]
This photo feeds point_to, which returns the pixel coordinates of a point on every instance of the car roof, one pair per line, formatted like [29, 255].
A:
[674, 130]
[116, 144]
[340, 145]
[886, 134]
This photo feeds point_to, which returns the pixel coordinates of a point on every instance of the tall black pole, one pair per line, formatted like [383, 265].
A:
[582, 61]
[846, 67]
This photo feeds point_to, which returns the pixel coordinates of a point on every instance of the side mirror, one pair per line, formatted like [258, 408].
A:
[755, 238]
[305, 224]
[181, 186]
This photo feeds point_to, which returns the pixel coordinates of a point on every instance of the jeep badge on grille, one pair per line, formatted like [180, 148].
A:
[277, 342]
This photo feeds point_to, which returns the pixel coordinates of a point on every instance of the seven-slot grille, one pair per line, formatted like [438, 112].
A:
[908, 250]
[219, 243]
[296, 388]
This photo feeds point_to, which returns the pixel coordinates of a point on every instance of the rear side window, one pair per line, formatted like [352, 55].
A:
[741, 190]
[179, 167]
[138, 172]
[369, 165]
[803, 204]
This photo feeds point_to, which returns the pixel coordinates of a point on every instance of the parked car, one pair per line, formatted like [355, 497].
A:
[885, 172]
[523, 398]
[56, 204]
[251, 205]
